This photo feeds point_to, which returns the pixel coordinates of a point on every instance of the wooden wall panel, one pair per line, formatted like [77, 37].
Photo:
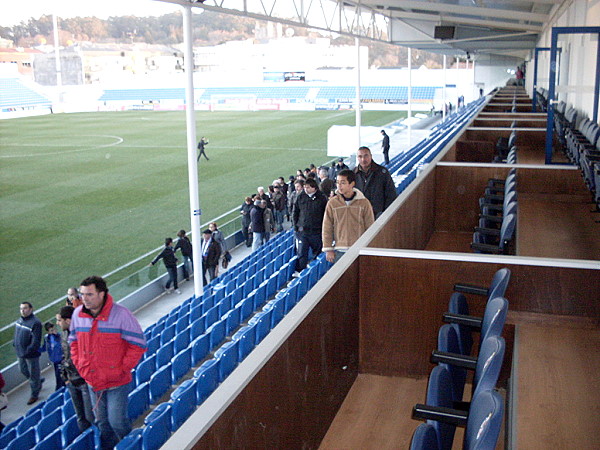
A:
[552, 181]
[412, 225]
[458, 189]
[402, 301]
[292, 400]
[475, 151]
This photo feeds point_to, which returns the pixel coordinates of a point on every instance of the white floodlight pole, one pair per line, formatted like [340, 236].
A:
[358, 118]
[190, 116]
[56, 54]
[409, 85]
[444, 92]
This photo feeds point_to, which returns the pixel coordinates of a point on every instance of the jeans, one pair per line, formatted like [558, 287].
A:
[59, 381]
[82, 403]
[30, 368]
[212, 273]
[257, 240]
[188, 267]
[111, 414]
[279, 220]
[306, 241]
[172, 271]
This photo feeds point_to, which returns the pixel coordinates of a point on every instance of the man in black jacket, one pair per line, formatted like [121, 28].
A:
[28, 336]
[168, 257]
[185, 245]
[308, 222]
[374, 181]
[211, 253]
[385, 146]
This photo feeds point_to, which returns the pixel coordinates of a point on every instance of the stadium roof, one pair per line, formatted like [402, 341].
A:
[501, 27]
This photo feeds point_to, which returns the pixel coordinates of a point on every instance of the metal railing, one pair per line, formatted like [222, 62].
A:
[123, 281]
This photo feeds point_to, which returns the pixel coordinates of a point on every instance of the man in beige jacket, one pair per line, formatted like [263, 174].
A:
[347, 216]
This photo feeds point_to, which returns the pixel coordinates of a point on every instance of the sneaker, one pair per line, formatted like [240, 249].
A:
[32, 400]
[296, 274]
[168, 290]
[177, 291]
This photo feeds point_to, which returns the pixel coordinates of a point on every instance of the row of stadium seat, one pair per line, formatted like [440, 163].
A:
[168, 416]
[580, 138]
[444, 409]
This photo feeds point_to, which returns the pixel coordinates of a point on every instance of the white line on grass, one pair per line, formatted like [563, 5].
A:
[221, 147]
[118, 140]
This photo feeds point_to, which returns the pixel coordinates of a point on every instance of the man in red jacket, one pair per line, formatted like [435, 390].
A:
[106, 343]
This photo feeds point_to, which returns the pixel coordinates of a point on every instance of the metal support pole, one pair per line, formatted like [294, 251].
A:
[357, 102]
[190, 116]
[535, 75]
[444, 92]
[409, 84]
[551, 91]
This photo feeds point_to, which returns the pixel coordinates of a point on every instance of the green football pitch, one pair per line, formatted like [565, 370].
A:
[82, 194]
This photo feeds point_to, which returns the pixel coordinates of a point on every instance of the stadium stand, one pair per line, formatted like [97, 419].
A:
[15, 94]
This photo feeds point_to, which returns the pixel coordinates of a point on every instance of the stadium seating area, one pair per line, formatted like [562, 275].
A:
[197, 345]
[580, 139]
[14, 94]
[194, 348]
[299, 93]
[444, 409]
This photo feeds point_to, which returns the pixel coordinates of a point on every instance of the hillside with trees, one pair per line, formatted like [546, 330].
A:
[210, 28]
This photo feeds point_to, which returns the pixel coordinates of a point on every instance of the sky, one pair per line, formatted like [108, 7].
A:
[24, 10]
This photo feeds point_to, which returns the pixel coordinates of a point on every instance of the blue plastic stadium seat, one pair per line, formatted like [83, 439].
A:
[181, 364]
[7, 436]
[69, 431]
[182, 340]
[228, 356]
[133, 441]
[138, 400]
[23, 440]
[160, 382]
[448, 342]
[67, 409]
[195, 313]
[247, 337]
[262, 322]
[30, 419]
[51, 441]
[247, 308]
[484, 421]
[164, 354]
[158, 428]
[208, 379]
[439, 394]
[50, 422]
[167, 334]
[182, 323]
[424, 438]
[217, 334]
[145, 369]
[184, 402]
[200, 348]
[197, 328]
[212, 316]
[232, 320]
[54, 402]
[86, 440]
[278, 308]
[153, 345]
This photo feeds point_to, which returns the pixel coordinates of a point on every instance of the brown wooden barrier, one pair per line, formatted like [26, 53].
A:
[292, 400]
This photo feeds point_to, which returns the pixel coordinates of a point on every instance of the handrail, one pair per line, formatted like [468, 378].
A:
[124, 266]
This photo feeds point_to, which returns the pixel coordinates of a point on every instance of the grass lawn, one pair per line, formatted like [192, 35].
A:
[82, 194]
